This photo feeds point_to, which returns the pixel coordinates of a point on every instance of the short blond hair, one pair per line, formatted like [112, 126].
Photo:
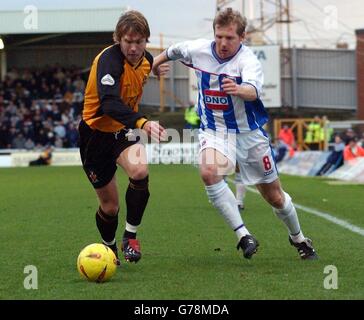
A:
[230, 16]
[132, 21]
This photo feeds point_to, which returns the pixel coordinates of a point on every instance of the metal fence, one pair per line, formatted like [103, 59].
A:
[322, 79]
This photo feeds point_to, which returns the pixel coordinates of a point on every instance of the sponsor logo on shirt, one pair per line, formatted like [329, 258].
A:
[107, 80]
[216, 100]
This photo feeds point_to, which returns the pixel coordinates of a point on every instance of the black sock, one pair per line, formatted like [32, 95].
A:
[136, 199]
[107, 225]
[129, 235]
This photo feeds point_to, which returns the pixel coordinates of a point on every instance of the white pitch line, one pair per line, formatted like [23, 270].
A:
[324, 215]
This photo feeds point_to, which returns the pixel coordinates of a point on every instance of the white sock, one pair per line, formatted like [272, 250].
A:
[240, 193]
[240, 189]
[131, 228]
[297, 238]
[223, 199]
[111, 243]
[288, 215]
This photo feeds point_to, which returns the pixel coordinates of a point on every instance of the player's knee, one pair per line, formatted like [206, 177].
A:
[110, 208]
[276, 200]
[208, 174]
[139, 172]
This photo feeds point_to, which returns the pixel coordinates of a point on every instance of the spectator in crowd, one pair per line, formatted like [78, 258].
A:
[286, 136]
[352, 150]
[281, 149]
[72, 136]
[348, 135]
[361, 140]
[40, 106]
[5, 136]
[191, 117]
[29, 144]
[327, 133]
[18, 142]
[313, 134]
[335, 158]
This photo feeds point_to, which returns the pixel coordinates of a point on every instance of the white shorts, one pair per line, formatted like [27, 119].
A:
[251, 150]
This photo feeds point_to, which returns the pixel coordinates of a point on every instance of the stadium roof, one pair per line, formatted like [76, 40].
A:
[33, 21]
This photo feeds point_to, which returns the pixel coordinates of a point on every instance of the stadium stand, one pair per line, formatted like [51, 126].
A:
[41, 107]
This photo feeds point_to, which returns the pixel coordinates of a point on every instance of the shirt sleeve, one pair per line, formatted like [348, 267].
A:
[252, 72]
[184, 51]
[109, 71]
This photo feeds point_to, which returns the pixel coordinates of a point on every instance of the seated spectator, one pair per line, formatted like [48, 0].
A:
[44, 159]
[361, 140]
[39, 107]
[352, 150]
[335, 158]
[349, 134]
[29, 144]
[286, 135]
[18, 142]
[280, 149]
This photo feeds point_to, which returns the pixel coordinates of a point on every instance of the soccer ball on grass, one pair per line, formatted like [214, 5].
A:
[96, 262]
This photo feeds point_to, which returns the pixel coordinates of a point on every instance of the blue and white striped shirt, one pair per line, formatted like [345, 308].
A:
[217, 110]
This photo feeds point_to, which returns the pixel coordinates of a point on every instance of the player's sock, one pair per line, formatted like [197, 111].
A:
[240, 192]
[297, 238]
[289, 216]
[107, 225]
[130, 231]
[110, 243]
[136, 199]
[223, 199]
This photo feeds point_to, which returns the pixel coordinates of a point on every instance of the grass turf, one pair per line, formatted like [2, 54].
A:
[47, 217]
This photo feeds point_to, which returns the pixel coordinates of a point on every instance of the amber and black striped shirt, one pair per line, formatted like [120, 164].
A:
[114, 90]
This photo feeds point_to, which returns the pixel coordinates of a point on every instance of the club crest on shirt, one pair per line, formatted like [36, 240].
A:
[93, 177]
[107, 80]
[216, 100]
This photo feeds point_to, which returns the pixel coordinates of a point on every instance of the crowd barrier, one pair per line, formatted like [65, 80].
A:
[352, 171]
[167, 153]
[308, 163]
[304, 163]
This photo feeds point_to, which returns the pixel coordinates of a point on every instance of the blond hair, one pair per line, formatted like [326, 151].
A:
[230, 16]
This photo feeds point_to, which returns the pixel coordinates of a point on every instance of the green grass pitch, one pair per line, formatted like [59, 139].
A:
[48, 216]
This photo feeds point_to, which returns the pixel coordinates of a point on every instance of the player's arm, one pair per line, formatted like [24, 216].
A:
[178, 51]
[160, 67]
[109, 71]
[252, 76]
[245, 91]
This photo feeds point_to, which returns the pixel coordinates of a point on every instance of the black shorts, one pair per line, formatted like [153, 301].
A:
[99, 152]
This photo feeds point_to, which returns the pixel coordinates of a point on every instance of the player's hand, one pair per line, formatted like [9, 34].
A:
[230, 87]
[155, 131]
[160, 70]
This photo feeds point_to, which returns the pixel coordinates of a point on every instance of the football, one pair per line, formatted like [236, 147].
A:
[96, 262]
